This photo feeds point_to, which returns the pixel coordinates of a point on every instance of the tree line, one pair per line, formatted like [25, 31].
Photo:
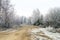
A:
[8, 18]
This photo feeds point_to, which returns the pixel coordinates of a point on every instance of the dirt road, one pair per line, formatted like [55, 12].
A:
[19, 34]
[28, 32]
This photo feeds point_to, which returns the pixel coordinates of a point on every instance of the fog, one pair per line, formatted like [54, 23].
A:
[25, 7]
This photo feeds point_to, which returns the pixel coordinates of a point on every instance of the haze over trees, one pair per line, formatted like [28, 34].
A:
[8, 18]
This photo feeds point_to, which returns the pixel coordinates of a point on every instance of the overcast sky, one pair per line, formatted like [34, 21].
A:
[26, 7]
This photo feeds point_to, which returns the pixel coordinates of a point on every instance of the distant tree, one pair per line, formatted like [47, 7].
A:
[53, 18]
[23, 20]
[36, 17]
[29, 20]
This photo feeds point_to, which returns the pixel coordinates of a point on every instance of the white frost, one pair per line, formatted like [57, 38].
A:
[53, 36]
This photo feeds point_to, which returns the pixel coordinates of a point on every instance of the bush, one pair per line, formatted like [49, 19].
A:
[38, 22]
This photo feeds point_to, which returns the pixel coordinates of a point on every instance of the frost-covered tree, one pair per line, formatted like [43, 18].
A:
[36, 17]
[53, 18]
[6, 11]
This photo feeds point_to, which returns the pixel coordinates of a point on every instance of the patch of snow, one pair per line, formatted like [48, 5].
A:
[54, 36]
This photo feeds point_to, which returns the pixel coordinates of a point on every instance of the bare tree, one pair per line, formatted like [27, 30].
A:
[7, 12]
[36, 17]
[53, 18]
